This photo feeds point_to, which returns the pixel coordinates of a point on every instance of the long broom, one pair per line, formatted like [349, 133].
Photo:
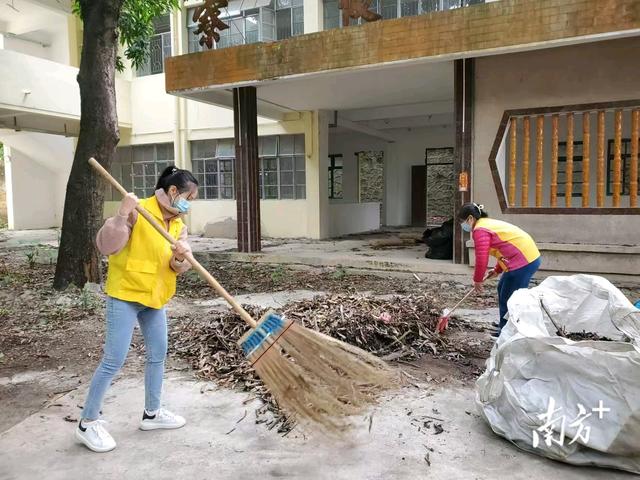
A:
[316, 379]
[443, 321]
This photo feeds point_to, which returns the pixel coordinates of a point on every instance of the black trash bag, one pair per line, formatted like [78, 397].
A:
[439, 241]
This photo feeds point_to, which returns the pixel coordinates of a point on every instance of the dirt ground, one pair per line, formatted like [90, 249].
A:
[50, 342]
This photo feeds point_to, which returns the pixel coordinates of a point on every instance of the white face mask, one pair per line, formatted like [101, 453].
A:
[466, 227]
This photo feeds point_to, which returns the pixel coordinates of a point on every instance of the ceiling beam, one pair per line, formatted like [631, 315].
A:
[398, 111]
[224, 98]
[408, 122]
[348, 124]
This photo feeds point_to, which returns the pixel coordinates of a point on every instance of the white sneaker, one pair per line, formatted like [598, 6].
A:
[95, 436]
[161, 419]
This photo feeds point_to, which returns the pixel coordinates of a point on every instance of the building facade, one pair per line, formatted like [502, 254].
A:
[513, 103]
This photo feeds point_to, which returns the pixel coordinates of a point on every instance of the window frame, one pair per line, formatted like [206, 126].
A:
[267, 31]
[296, 157]
[332, 171]
[165, 39]
[625, 159]
[220, 174]
[127, 169]
[376, 6]
[577, 162]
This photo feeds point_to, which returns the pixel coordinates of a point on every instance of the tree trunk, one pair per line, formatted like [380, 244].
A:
[78, 258]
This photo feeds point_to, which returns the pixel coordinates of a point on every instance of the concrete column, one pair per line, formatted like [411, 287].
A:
[8, 186]
[247, 168]
[313, 16]
[317, 173]
[74, 27]
[464, 81]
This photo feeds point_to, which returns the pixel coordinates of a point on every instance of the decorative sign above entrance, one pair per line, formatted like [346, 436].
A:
[357, 9]
[207, 17]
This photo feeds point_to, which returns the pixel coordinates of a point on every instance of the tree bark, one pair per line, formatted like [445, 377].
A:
[78, 258]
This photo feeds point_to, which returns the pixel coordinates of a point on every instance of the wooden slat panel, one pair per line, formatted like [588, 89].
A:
[568, 191]
[526, 147]
[633, 173]
[586, 159]
[554, 161]
[601, 165]
[513, 145]
[539, 158]
[617, 158]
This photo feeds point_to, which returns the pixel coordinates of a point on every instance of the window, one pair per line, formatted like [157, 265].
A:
[282, 167]
[289, 18]
[271, 21]
[212, 162]
[393, 9]
[138, 167]
[335, 176]
[625, 157]
[576, 190]
[159, 47]
[331, 14]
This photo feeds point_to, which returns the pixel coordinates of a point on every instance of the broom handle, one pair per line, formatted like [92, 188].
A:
[194, 263]
[460, 302]
[490, 275]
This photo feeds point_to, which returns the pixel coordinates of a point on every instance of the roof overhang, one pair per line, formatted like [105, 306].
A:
[322, 63]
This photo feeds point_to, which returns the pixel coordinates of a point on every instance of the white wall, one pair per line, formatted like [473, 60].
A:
[399, 157]
[282, 218]
[153, 111]
[348, 144]
[45, 159]
[54, 93]
[49, 43]
[348, 218]
[31, 191]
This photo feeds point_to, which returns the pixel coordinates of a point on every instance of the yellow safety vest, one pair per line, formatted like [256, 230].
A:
[141, 272]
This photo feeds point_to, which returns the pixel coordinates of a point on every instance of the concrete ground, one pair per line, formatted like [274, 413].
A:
[221, 440]
[355, 253]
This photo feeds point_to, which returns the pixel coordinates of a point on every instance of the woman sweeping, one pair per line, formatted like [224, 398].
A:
[517, 254]
[140, 281]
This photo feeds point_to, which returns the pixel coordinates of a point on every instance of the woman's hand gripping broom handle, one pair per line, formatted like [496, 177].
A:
[194, 263]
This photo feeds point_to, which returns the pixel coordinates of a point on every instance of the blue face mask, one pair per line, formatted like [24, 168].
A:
[466, 227]
[181, 205]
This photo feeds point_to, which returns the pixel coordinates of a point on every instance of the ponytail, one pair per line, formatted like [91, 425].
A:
[175, 176]
[472, 209]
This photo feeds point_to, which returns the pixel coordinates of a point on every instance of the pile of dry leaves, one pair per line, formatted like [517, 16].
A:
[391, 327]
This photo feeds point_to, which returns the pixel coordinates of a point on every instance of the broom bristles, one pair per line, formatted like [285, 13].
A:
[321, 381]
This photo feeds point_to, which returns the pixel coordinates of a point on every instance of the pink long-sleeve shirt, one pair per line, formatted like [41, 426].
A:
[115, 233]
[513, 247]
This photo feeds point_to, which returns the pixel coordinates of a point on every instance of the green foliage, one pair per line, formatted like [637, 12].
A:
[339, 273]
[135, 26]
[278, 274]
[31, 257]
[89, 301]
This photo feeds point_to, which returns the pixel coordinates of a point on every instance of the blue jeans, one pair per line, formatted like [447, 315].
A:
[121, 320]
[512, 281]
